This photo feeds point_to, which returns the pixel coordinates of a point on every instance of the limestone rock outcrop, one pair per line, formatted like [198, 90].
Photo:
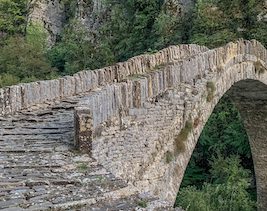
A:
[54, 14]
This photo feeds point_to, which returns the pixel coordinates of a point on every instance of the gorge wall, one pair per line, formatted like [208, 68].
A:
[53, 15]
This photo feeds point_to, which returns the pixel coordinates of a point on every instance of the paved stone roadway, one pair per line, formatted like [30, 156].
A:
[40, 169]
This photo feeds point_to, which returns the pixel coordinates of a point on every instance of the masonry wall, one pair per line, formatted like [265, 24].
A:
[22, 96]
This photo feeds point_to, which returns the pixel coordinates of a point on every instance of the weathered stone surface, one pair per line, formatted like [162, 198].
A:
[83, 129]
[51, 15]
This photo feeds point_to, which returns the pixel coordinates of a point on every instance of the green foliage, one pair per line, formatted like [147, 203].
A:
[36, 36]
[215, 23]
[75, 52]
[7, 79]
[21, 61]
[13, 16]
[142, 203]
[70, 8]
[136, 26]
[221, 197]
[228, 191]
[82, 167]
[229, 170]
[223, 134]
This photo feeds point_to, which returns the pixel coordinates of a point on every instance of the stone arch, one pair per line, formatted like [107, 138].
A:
[153, 109]
[247, 87]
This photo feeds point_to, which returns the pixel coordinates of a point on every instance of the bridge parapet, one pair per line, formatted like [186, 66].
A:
[22, 96]
[134, 91]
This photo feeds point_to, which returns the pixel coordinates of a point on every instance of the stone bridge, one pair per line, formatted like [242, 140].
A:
[121, 137]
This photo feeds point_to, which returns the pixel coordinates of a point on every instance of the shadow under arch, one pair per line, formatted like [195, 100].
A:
[250, 98]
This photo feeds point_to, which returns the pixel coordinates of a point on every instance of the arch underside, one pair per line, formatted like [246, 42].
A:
[250, 97]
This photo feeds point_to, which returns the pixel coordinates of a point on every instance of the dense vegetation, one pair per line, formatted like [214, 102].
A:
[220, 173]
[134, 27]
[222, 182]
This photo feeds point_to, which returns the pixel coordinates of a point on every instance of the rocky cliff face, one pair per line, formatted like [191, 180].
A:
[92, 14]
[53, 15]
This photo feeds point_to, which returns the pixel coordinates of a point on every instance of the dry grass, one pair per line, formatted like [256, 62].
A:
[182, 136]
[258, 67]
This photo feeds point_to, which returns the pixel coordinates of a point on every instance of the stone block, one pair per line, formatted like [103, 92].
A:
[83, 127]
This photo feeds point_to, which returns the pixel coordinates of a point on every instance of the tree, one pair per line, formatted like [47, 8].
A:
[13, 15]
[228, 191]
[75, 52]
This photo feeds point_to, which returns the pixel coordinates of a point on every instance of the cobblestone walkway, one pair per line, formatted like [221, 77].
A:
[39, 168]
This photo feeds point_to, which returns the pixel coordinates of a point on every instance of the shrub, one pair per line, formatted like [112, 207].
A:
[82, 167]
[142, 203]
[24, 61]
[211, 91]
[227, 192]
[182, 136]
[220, 197]
[169, 156]
[8, 80]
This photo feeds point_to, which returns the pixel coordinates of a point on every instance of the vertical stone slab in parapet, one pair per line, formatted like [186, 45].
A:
[79, 81]
[101, 77]
[49, 90]
[149, 86]
[2, 102]
[6, 101]
[169, 76]
[160, 77]
[67, 86]
[15, 98]
[137, 94]
[94, 79]
[117, 94]
[155, 83]
[130, 93]
[83, 127]
[31, 94]
[124, 95]
[86, 77]
[144, 93]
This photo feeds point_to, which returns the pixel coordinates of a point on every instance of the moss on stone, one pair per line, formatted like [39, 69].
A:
[142, 203]
[211, 90]
[169, 157]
